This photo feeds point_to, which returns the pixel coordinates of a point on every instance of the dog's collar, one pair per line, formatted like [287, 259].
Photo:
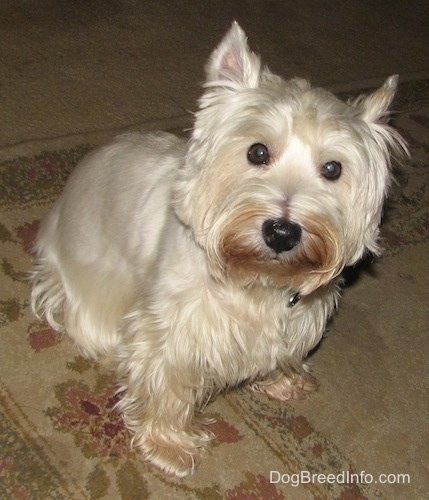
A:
[294, 299]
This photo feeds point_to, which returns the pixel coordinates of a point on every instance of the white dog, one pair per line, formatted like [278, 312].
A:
[199, 265]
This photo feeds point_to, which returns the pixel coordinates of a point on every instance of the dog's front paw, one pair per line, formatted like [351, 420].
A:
[284, 388]
[175, 455]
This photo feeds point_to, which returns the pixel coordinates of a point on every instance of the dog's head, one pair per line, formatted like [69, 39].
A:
[283, 183]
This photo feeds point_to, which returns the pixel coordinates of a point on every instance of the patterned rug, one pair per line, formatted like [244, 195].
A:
[60, 437]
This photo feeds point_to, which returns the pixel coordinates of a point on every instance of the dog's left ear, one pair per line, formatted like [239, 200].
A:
[374, 107]
[233, 65]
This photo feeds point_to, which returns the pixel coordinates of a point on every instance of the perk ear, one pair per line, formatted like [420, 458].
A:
[374, 107]
[232, 64]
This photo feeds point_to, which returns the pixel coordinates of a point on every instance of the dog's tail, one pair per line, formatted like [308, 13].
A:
[48, 295]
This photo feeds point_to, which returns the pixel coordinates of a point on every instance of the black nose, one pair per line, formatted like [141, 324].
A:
[280, 234]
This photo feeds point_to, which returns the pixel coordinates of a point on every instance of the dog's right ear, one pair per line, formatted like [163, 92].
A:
[232, 64]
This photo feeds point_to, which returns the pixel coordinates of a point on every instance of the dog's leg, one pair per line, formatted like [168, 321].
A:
[158, 407]
[174, 450]
[283, 387]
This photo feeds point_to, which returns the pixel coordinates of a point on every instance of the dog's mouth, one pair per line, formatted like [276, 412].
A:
[301, 257]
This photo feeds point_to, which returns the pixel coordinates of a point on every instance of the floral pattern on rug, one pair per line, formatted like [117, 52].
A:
[91, 417]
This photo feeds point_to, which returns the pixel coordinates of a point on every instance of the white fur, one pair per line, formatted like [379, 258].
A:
[154, 257]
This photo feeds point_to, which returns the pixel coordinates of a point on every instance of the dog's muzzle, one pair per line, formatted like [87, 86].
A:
[281, 235]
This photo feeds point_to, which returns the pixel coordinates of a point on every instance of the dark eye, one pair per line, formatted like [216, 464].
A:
[331, 170]
[258, 154]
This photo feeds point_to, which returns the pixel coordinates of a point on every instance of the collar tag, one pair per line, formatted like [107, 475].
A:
[294, 299]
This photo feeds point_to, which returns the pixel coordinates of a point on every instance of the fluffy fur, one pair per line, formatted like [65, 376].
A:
[158, 256]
